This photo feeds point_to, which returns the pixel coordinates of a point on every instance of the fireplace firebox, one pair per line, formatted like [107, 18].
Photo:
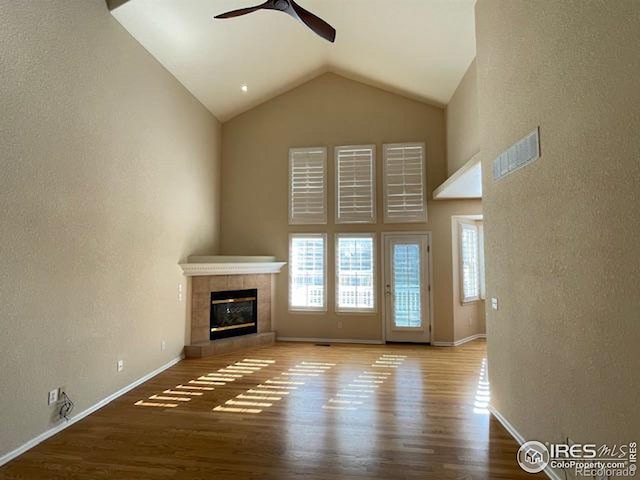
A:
[233, 313]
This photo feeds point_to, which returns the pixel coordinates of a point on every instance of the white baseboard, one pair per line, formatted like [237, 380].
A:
[51, 432]
[519, 438]
[459, 342]
[508, 427]
[375, 342]
[328, 340]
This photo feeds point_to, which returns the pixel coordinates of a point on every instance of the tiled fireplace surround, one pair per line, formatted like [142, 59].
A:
[201, 288]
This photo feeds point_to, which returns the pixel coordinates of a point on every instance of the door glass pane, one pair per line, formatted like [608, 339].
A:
[407, 310]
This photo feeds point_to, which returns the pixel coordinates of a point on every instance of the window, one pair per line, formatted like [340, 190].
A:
[469, 262]
[356, 184]
[355, 272]
[307, 186]
[307, 268]
[405, 199]
[483, 288]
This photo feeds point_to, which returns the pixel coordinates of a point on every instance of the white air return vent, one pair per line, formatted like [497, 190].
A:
[517, 155]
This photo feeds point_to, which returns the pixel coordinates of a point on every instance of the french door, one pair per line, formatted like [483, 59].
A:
[406, 287]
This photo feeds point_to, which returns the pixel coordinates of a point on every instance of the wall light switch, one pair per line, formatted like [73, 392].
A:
[120, 365]
[494, 303]
[163, 345]
[53, 396]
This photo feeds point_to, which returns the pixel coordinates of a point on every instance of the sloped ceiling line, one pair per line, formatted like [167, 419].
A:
[417, 48]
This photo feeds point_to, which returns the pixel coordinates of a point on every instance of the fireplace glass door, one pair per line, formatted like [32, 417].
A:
[233, 313]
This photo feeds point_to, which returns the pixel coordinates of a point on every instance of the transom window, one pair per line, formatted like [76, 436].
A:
[307, 186]
[405, 199]
[356, 184]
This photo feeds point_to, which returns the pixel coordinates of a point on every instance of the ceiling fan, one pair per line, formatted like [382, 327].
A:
[290, 7]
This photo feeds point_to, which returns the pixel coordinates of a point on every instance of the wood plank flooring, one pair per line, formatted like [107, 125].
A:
[293, 411]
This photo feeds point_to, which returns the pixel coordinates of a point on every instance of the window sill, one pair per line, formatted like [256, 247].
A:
[356, 312]
[470, 301]
[308, 311]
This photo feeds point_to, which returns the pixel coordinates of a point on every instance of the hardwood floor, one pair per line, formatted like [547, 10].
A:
[293, 411]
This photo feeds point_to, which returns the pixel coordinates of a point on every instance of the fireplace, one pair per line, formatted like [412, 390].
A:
[233, 313]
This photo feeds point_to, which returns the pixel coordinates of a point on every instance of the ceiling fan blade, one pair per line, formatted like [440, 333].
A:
[241, 11]
[314, 22]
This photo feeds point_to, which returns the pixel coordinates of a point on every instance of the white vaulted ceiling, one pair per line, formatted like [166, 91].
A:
[419, 48]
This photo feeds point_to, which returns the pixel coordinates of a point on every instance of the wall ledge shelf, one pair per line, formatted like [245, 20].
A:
[466, 182]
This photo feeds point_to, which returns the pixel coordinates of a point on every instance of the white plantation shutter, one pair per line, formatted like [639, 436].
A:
[405, 198]
[307, 186]
[355, 272]
[469, 262]
[307, 271]
[355, 184]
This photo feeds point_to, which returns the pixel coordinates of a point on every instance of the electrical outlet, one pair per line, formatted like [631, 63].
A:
[163, 345]
[180, 292]
[120, 365]
[339, 323]
[53, 396]
[494, 303]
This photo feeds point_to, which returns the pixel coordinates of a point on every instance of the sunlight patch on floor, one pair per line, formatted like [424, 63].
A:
[276, 385]
[192, 387]
[236, 410]
[173, 392]
[283, 382]
[483, 392]
[267, 392]
[200, 382]
[273, 389]
[363, 385]
[247, 404]
[142, 403]
[175, 399]
[254, 397]
[207, 383]
[338, 407]
[358, 390]
[223, 380]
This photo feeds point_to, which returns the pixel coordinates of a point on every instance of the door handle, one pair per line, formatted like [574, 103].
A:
[387, 291]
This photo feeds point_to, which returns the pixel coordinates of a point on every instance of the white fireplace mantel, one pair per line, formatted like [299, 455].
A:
[228, 265]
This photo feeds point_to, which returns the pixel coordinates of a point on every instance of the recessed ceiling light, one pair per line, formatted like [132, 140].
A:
[244, 88]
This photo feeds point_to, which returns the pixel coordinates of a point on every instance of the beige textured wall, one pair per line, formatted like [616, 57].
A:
[563, 255]
[463, 131]
[463, 142]
[329, 110]
[108, 178]
[468, 318]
